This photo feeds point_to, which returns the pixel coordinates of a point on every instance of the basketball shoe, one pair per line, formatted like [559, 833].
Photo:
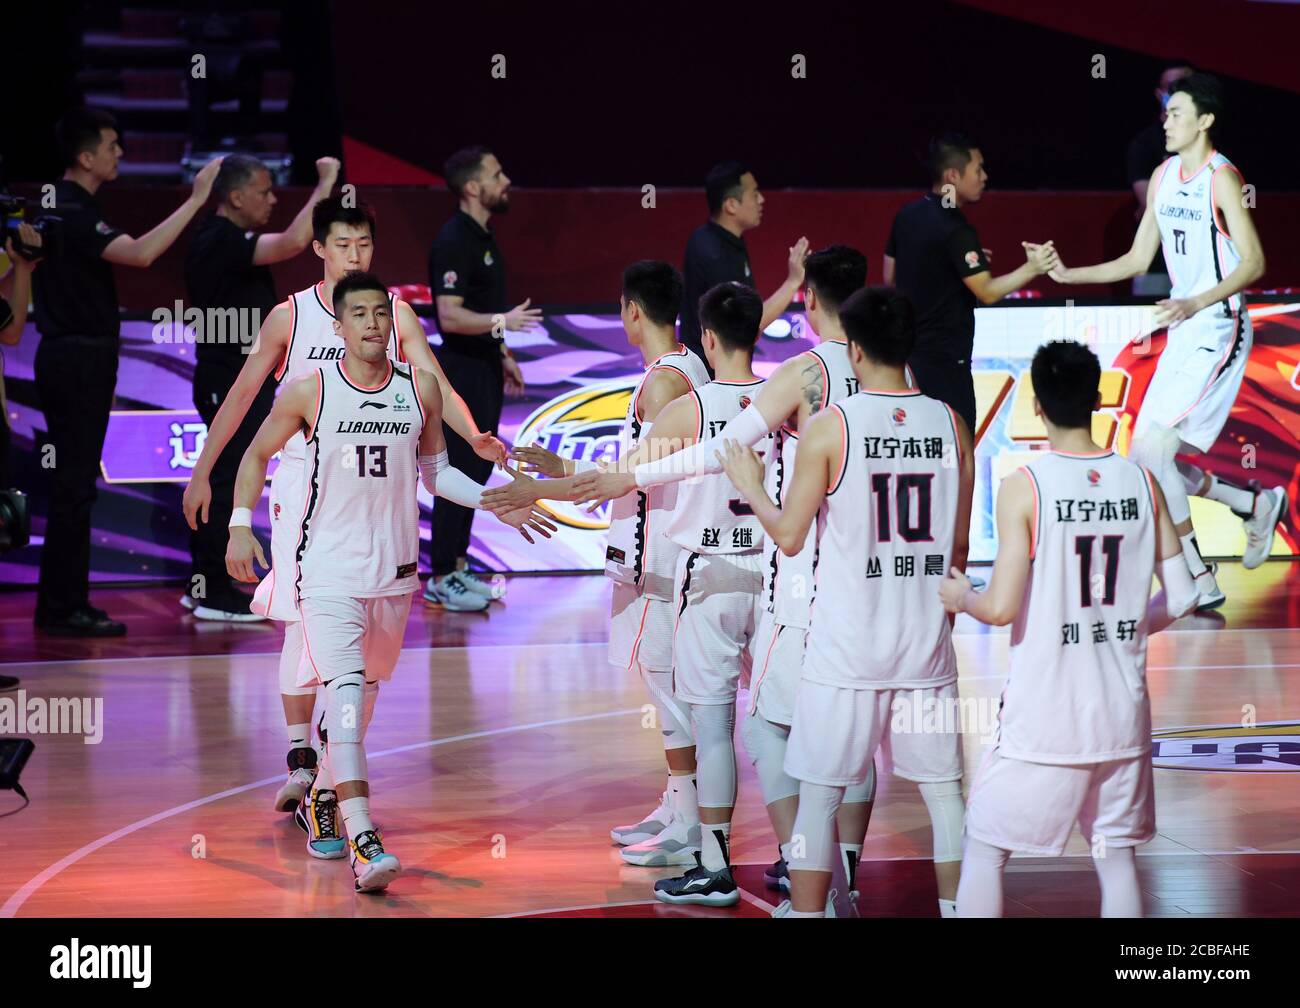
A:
[302, 774]
[318, 816]
[699, 885]
[372, 866]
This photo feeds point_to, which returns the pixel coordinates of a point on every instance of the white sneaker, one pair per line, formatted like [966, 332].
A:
[187, 602]
[372, 866]
[1270, 505]
[785, 906]
[1211, 596]
[649, 827]
[294, 788]
[677, 844]
[451, 593]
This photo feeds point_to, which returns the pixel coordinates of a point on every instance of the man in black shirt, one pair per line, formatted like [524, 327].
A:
[228, 277]
[467, 276]
[934, 257]
[716, 252]
[76, 362]
[1145, 152]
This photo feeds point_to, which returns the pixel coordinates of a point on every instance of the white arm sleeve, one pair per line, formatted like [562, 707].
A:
[443, 480]
[748, 428]
[1177, 598]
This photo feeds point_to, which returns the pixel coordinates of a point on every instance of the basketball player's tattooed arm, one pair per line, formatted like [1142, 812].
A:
[1131, 263]
[1178, 595]
[293, 411]
[820, 454]
[1229, 202]
[268, 352]
[1000, 603]
[415, 348]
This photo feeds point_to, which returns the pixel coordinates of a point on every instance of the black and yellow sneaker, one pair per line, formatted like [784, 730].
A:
[372, 866]
[318, 816]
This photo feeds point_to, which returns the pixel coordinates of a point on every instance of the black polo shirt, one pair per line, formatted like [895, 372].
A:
[219, 274]
[934, 248]
[713, 255]
[74, 291]
[466, 262]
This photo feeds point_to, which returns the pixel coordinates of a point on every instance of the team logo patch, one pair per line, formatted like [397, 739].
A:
[1269, 746]
[449, 278]
[275, 511]
[585, 424]
[972, 259]
[487, 257]
[400, 404]
[1094, 477]
[744, 402]
[899, 416]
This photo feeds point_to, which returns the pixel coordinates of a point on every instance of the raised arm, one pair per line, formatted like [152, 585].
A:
[780, 298]
[282, 245]
[141, 252]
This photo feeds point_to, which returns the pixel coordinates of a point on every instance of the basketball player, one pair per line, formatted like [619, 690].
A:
[1197, 215]
[800, 387]
[357, 544]
[1080, 533]
[718, 581]
[888, 475]
[640, 558]
[296, 338]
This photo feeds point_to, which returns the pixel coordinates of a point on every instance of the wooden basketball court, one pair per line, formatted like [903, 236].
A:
[506, 747]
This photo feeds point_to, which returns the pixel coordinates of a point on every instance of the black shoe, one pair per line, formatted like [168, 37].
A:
[777, 876]
[85, 622]
[8, 682]
[699, 885]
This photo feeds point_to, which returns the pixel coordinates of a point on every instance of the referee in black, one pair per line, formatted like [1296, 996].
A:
[228, 276]
[716, 251]
[467, 276]
[934, 257]
[77, 316]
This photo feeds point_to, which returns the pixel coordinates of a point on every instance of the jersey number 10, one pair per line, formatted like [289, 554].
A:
[913, 526]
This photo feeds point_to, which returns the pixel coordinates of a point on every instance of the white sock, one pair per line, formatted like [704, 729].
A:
[298, 736]
[356, 816]
[1237, 498]
[1190, 550]
[947, 908]
[1121, 895]
[324, 772]
[850, 855]
[806, 913]
[714, 845]
[682, 798]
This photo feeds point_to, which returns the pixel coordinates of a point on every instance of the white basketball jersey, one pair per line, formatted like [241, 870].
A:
[639, 552]
[884, 542]
[1198, 252]
[789, 580]
[711, 516]
[360, 535]
[313, 343]
[1076, 691]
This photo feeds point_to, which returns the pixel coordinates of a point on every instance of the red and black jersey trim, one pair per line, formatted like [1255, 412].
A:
[686, 581]
[314, 484]
[780, 481]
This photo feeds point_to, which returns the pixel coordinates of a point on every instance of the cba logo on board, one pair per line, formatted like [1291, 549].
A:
[583, 424]
[1271, 746]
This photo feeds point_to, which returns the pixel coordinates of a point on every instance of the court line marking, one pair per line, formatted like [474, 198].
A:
[573, 909]
[24, 892]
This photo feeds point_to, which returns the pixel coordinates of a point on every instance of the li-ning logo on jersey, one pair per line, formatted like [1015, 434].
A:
[373, 427]
[373, 402]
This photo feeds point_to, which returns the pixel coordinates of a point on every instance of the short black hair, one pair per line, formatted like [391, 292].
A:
[882, 322]
[79, 131]
[722, 183]
[1066, 377]
[236, 171]
[655, 286]
[1175, 64]
[462, 166]
[733, 311]
[353, 281]
[835, 273]
[1206, 94]
[331, 210]
[951, 150]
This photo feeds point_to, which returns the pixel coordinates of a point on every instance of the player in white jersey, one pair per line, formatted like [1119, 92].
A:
[1197, 214]
[1081, 530]
[887, 473]
[718, 579]
[640, 558]
[357, 544]
[800, 387]
[299, 336]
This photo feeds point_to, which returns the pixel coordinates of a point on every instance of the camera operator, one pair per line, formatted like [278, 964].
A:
[76, 362]
[15, 295]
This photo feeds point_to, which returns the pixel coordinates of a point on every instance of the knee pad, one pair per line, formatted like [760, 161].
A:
[674, 718]
[864, 792]
[345, 708]
[812, 842]
[715, 754]
[947, 812]
[1157, 451]
[369, 695]
[765, 742]
[290, 659]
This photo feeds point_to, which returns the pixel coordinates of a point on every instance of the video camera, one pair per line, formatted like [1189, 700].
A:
[13, 210]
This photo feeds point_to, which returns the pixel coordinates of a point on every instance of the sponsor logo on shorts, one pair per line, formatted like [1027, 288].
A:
[1271, 746]
[406, 570]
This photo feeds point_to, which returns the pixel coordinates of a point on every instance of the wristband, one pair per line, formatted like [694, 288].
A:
[241, 518]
